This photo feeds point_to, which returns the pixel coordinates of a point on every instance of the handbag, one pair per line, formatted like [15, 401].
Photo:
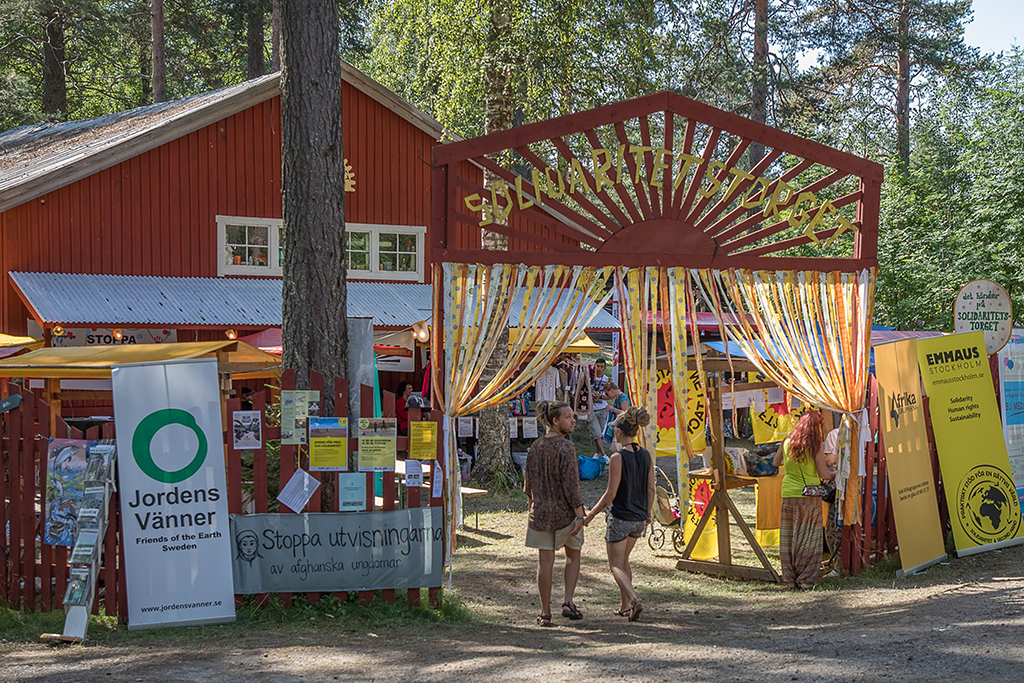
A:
[826, 491]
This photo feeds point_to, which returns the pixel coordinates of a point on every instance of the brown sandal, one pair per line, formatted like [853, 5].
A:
[544, 620]
[623, 612]
[635, 610]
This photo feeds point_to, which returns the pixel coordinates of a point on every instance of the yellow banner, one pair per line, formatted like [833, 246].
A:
[700, 495]
[915, 506]
[982, 500]
[770, 426]
[696, 414]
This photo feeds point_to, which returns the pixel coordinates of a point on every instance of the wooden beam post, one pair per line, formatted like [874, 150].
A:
[718, 465]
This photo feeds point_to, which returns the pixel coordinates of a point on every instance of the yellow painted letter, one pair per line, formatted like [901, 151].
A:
[688, 160]
[601, 178]
[475, 203]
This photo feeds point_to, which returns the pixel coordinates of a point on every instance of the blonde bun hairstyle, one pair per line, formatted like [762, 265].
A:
[633, 420]
[548, 412]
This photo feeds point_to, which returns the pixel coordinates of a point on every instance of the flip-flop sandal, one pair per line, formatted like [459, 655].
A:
[544, 620]
[635, 610]
[623, 612]
[570, 611]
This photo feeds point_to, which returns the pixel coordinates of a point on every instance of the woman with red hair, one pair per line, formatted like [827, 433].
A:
[800, 526]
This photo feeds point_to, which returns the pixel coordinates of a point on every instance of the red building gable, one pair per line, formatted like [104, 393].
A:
[166, 190]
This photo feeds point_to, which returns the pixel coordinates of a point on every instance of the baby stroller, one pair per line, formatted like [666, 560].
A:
[666, 513]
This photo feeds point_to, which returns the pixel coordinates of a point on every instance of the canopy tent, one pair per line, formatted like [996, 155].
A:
[12, 346]
[269, 340]
[237, 358]
[582, 344]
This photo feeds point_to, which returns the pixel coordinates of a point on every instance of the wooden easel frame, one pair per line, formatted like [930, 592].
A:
[721, 503]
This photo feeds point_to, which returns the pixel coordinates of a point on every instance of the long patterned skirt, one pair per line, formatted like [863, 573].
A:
[800, 541]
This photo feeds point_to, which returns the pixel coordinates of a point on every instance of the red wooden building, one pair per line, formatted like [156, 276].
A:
[192, 189]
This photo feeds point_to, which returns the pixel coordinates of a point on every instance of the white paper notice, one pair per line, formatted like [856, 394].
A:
[529, 428]
[438, 483]
[297, 492]
[759, 402]
[513, 428]
[413, 473]
[776, 395]
[351, 492]
[465, 427]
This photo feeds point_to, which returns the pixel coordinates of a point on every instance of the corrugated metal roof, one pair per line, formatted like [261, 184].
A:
[70, 299]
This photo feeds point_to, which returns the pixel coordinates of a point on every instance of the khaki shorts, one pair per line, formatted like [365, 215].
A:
[553, 540]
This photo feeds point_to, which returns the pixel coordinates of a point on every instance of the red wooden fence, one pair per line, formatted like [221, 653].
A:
[34, 575]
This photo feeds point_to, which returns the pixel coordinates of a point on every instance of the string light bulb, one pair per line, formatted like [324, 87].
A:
[421, 331]
[118, 334]
[231, 334]
[58, 331]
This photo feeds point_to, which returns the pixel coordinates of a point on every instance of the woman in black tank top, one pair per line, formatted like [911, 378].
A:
[630, 495]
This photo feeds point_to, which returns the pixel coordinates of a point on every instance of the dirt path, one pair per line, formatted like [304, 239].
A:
[963, 620]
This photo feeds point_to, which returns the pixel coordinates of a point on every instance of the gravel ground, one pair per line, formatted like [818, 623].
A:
[963, 620]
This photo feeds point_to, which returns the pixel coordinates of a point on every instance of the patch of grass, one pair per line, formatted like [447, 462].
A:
[328, 613]
[18, 626]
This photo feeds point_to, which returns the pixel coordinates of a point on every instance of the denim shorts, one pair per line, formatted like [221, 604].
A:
[620, 529]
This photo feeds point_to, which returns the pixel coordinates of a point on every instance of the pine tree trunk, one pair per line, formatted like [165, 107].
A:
[275, 35]
[156, 10]
[759, 76]
[314, 333]
[903, 86]
[494, 459]
[254, 39]
[55, 85]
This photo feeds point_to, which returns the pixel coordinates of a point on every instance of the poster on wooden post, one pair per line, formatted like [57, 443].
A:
[915, 505]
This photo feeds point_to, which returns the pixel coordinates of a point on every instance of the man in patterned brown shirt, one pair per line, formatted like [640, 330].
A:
[556, 506]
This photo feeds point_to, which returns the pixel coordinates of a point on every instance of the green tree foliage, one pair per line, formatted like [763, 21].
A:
[958, 214]
[877, 58]
[570, 55]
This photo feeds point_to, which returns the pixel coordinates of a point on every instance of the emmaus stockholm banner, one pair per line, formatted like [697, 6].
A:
[174, 504]
[915, 505]
[983, 507]
[337, 552]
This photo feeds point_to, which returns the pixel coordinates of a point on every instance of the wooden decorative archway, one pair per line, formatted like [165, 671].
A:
[657, 180]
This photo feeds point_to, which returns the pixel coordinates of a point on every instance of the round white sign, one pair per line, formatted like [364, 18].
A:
[984, 306]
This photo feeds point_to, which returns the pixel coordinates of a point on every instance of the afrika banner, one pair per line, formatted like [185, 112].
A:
[915, 506]
[983, 506]
[1011, 382]
[172, 485]
[337, 552]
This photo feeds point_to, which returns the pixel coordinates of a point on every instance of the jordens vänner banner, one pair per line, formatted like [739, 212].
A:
[332, 552]
[914, 503]
[983, 507]
[173, 495]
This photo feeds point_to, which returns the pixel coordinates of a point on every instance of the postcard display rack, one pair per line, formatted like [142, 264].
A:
[86, 554]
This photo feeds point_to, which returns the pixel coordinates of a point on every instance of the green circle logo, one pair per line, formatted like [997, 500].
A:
[143, 439]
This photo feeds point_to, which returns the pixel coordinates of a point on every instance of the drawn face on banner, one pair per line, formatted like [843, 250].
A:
[248, 546]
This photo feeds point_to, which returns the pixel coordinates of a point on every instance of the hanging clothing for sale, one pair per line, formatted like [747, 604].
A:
[547, 385]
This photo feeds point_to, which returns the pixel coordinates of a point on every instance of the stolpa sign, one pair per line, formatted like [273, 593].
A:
[173, 493]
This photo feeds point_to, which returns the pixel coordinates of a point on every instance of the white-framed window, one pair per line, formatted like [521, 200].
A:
[255, 246]
[248, 246]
